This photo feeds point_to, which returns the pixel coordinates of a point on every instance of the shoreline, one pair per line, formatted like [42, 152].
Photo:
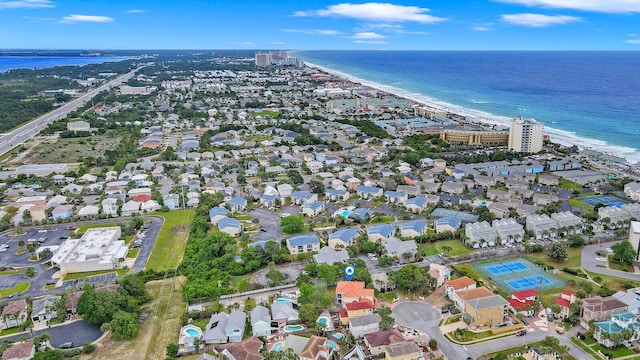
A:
[557, 136]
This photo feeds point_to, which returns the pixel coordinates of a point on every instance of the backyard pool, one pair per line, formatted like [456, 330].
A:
[283, 300]
[192, 332]
[277, 346]
[323, 320]
[345, 213]
[331, 344]
[293, 328]
[337, 335]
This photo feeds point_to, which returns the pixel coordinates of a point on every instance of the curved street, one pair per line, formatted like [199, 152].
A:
[588, 262]
[426, 317]
[77, 332]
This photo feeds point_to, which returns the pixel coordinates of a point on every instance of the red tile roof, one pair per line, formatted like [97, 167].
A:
[14, 307]
[563, 302]
[521, 306]
[460, 283]
[358, 305]
[385, 337]
[525, 294]
[22, 350]
[141, 198]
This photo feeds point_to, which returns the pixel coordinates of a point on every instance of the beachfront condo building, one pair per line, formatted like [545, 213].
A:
[525, 135]
[475, 138]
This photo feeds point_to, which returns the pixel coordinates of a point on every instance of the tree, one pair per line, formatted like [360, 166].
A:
[623, 252]
[295, 177]
[433, 344]
[172, 350]
[291, 224]
[308, 313]
[558, 252]
[386, 320]
[575, 241]
[411, 278]
[317, 187]
[29, 272]
[48, 354]
[125, 325]
[275, 277]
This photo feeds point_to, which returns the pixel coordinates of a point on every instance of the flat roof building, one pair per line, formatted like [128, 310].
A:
[98, 249]
[42, 169]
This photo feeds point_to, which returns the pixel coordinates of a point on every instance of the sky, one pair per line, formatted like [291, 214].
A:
[319, 25]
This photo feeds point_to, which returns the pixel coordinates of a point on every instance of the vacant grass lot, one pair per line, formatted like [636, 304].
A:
[437, 248]
[169, 247]
[69, 150]
[160, 329]
[572, 261]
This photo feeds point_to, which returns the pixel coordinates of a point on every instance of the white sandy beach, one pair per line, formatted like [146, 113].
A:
[562, 137]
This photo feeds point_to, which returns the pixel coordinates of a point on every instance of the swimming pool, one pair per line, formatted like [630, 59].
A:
[277, 346]
[192, 332]
[337, 335]
[283, 300]
[481, 203]
[292, 328]
[331, 344]
[323, 320]
[345, 213]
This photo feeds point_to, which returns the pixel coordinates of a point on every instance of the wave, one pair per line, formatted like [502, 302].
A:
[562, 137]
[480, 101]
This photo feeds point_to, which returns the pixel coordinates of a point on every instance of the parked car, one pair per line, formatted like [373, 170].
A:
[67, 345]
[521, 333]
[525, 322]
[72, 227]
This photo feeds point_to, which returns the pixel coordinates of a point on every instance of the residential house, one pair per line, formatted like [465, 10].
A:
[405, 251]
[404, 350]
[544, 199]
[358, 308]
[235, 326]
[568, 222]
[395, 197]
[600, 308]
[237, 204]
[362, 325]
[313, 209]
[329, 256]
[380, 233]
[342, 238]
[416, 205]
[283, 313]
[38, 213]
[495, 194]
[303, 198]
[480, 234]
[542, 225]
[248, 349]
[632, 190]
[621, 321]
[439, 272]
[431, 188]
[369, 192]
[447, 223]
[361, 213]
[172, 201]
[350, 291]
[453, 188]
[411, 229]
[215, 331]
[381, 282]
[461, 283]
[20, 351]
[461, 297]
[303, 244]
[217, 213]
[377, 341]
[45, 308]
[487, 311]
[523, 302]
[336, 195]
[614, 214]
[508, 230]
[230, 226]
[316, 349]
[565, 300]
[269, 201]
[260, 321]
[14, 314]
[130, 208]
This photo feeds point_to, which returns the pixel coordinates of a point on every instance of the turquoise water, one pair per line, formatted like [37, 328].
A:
[482, 203]
[337, 335]
[39, 62]
[292, 328]
[323, 321]
[192, 332]
[332, 344]
[277, 347]
[345, 213]
[282, 301]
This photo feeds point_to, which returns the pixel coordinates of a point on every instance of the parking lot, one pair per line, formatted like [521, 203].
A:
[270, 222]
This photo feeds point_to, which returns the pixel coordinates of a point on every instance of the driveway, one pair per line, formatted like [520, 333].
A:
[78, 332]
[589, 262]
[425, 317]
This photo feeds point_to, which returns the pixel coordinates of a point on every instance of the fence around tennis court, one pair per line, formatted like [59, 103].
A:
[531, 275]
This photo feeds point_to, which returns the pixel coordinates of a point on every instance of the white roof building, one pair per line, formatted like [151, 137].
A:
[542, 226]
[508, 230]
[478, 231]
[98, 249]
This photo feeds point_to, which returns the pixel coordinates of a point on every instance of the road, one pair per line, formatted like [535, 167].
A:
[588, 261]
[78, 332]
[31, 129]
[425, 317]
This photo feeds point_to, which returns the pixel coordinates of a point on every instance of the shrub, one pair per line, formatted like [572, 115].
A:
[72, 352]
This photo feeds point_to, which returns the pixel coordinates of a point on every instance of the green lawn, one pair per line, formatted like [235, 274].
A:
[613, 282]
[266, 113]
[457, 248]
[169, 247]
[10, 272]
[464, 335]
[586, 348]
[10, 331]
[86, 274]
[572, 261]
[381, 219]
[569, 185]
[133, 253]
[18, 288]
[616, 353]
[585, 207]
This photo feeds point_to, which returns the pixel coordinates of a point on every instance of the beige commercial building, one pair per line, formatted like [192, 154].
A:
[475, 138]
[526, 135]
[98, 249]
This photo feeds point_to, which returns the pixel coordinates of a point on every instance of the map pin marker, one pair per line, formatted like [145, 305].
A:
[349, 271]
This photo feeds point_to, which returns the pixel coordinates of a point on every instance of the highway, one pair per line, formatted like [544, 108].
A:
[31, 129]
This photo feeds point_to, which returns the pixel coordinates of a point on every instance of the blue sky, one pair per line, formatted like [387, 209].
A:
[314, 24]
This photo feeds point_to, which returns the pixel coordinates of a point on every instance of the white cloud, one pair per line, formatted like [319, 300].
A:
[387, 28]
[277, 42]
[607, 6]
[73, 19]
[135, 11]
[633, 41]
[39, 19]
[26, 4]
[538, 20]
[370, 42]
[482, 28]
[367, 35]
[246, 44]
[374, 11]
[312, 31]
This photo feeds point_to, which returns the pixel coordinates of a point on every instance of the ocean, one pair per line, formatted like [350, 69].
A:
[591, 99]
[39, 62]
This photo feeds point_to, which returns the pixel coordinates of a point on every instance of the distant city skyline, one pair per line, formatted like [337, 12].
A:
[318, 24]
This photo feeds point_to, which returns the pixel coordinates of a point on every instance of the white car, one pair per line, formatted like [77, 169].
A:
[601, 259]
[609, 250]
[284, 215]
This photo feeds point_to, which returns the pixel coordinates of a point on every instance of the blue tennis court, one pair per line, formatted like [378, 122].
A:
[606, 200]
[507, 268]
[529, 282]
